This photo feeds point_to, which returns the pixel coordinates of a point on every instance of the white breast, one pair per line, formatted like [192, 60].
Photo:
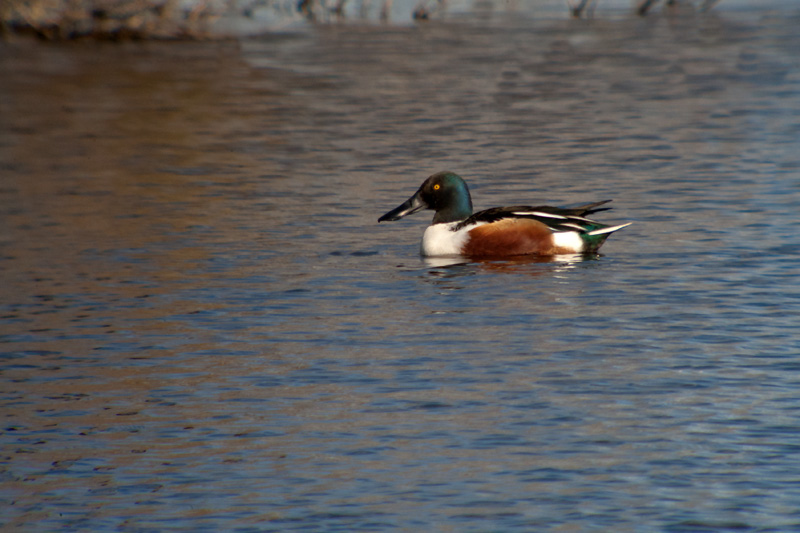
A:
[440, 239]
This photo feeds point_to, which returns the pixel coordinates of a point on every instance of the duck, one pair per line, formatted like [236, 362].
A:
[499, 231]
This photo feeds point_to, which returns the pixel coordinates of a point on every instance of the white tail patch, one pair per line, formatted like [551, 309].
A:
[568, 240]
[612, 229]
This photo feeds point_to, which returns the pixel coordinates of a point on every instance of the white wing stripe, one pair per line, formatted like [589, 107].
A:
[569, 225]
[611, 229]
[551, 215]
[538, 214]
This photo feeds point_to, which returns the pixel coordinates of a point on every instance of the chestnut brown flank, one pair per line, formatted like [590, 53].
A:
[511, 236]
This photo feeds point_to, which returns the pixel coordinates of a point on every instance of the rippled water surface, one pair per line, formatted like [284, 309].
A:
[204, 327]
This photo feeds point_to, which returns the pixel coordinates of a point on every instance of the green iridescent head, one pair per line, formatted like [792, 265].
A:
[444, 192]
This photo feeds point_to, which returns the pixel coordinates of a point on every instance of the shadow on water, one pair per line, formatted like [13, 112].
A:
[508, 263]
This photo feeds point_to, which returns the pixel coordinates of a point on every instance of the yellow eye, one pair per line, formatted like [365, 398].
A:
[437, 187]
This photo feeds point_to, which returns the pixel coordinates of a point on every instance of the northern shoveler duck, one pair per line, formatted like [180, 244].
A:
[500, 231]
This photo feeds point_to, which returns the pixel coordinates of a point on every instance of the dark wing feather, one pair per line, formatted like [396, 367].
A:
[580, 210]
[562, 219]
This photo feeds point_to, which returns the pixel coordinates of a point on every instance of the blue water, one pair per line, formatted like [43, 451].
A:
[205, 328]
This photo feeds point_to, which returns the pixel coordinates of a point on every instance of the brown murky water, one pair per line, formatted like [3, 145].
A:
[203, 326]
